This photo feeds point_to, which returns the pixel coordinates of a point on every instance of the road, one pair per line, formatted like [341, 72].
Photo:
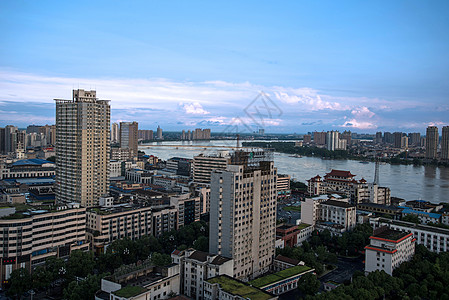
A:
[345, 268]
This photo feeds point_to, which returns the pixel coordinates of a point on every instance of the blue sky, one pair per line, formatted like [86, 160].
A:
[358, 65]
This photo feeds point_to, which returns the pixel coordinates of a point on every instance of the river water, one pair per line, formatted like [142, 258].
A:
[405, 181]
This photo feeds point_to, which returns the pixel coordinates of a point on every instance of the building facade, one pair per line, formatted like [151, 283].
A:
[432, 142]
[82, 148]
[388, 248]
[129, 136]
[445, 143]
[243, 214]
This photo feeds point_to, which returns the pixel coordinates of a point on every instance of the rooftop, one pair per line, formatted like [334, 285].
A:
[32, 162]
[287, 260]
[339, 173]
[389, 234]
[239, 288]
[416, 226]
[281, 275]
[338, 203]
[129, 291]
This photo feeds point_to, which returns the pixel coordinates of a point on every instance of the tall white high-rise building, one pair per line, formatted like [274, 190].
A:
[114, 133]
[82, 148]
[243, 213]
[159, 133]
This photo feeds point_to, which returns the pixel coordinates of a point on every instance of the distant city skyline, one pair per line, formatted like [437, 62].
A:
[326, 65]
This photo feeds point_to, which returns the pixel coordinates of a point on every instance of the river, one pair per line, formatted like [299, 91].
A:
[405, 181]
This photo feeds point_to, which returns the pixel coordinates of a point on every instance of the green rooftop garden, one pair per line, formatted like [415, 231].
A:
[302, 226]
[239, 288]
[292, 208]
[129, 291]
[281, 275]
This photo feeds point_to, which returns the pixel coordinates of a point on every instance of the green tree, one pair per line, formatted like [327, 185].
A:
[41, 277]
[20, 282]
[411, 218]
[83, 289]
[201, 244]
[160, 259]
[308, 284]
[80, 264]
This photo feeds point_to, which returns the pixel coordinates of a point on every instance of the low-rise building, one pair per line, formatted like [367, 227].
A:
[29, 235]
[198, 266]
[189, 210]
[282, 262]
[27, 168]
[388, 248]
[423, 216]
[141, 282]
[283, 281]
[433, 238]
[107, 224]
[338, 212]
[283, 186]
[226, 287]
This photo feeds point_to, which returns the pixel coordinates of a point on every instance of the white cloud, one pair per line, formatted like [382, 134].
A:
[359, 124]
[194, 109]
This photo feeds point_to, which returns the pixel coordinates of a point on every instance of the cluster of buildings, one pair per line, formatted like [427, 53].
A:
[101, 189]
[197, 134]
[385, 144]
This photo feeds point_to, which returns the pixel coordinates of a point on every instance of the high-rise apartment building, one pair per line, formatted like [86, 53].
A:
[388, 138]
[378, 139]
[129, 136]
[82, 148]
[414, 139]
[114, 133]
[333, 141]
[431, 142]
[397, 138]
[243, 213]
[445, 143]
[319, 138]
[159, 133]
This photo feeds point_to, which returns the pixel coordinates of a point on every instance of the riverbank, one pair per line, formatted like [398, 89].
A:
[290, 148]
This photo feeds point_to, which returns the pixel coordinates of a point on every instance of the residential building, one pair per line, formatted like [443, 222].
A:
[159, 133]
[199, 266]
[404, 142]
[164, 219]
[180, 165]
[435, 239]
[30, 236]
[204, 165]
[283, 186]
[226, 287]
[307, 139]
[339, 213]
[319, 138]
[145, 135]
[115, 135]
[282, 262]
[397, 137]
[243, 212]
[118, 153]
[414, 139]
[188, 207]
[141, 282]
[113, 222]
[82, 148]
[432, 138]
[128, 137]
[388, 249]
[445, 143]
[333, 141]
[378, 139]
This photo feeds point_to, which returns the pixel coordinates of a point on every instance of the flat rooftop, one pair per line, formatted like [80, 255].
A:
[239, 288]
[390, 234]
[281, 275]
